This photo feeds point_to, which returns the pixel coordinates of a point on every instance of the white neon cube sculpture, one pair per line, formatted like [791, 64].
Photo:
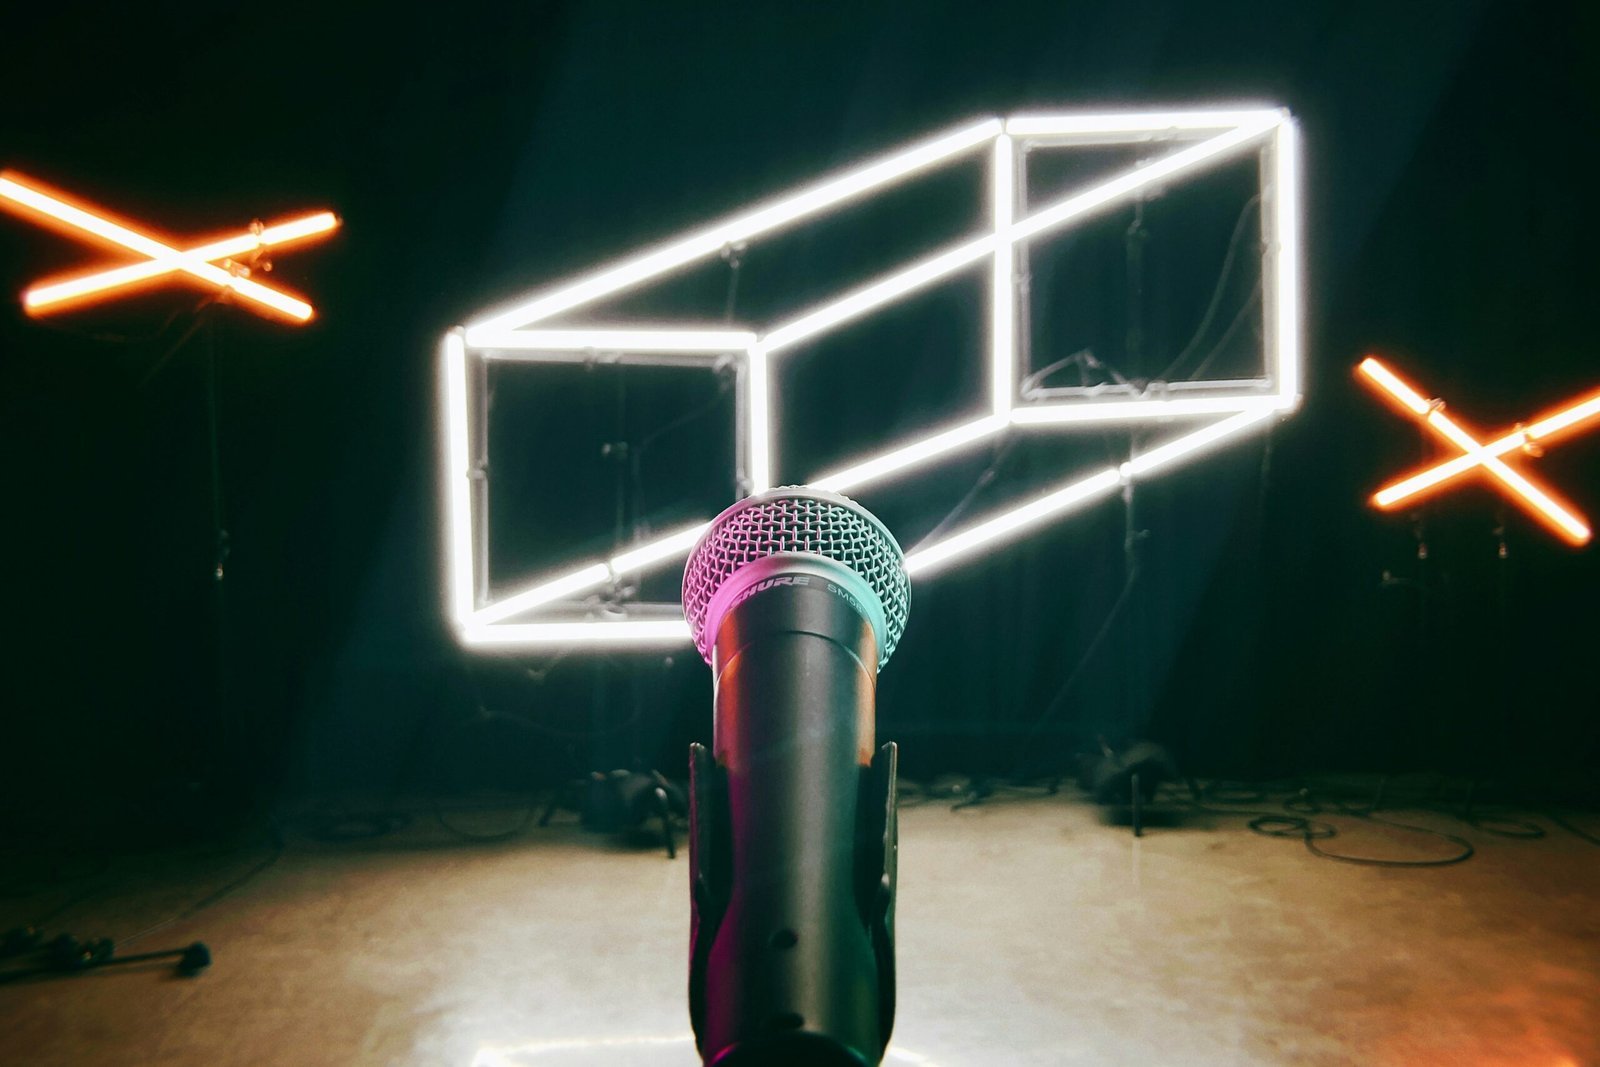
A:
[547, 611]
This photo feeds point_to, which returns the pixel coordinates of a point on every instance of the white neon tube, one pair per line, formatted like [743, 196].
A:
[1236, 130]
[1130, 410]
[673, 544]
[1003, 292]
[765, 219]
[589, 576]
[930, 559]
[456, 478]
[877, 293]
[665, 339]
[578, 581]
[1136, 121]
[629, 632]
[1213, 150]
[1077, 494]
[758, 400]
[942, 264]
[910, 455]
[1287, 330]
[1192, 443]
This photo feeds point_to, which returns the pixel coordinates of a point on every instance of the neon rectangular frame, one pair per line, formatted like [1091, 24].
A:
[525, 332]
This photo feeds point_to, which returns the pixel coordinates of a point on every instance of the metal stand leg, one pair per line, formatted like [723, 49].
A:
[1138, 810]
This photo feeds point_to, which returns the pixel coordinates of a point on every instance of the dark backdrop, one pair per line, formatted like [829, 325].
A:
[1277, 625]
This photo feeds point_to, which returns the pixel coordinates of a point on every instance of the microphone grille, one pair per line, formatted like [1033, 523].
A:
[797, 519]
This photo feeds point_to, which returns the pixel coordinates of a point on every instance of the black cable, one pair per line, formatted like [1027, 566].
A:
[217, 895]
[516, 828]
[1576, 831]
[1295, 822]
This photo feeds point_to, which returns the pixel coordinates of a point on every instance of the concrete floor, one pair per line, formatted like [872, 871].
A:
[1030, 932]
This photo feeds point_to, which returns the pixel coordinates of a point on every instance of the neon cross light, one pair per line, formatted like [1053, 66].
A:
[215, 263]
[540, 330]
[1539, 502]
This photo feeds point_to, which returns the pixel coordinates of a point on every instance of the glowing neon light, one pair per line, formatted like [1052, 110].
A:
[1135, 122]
[1540, 503]
[1211, 151]
[161, 259]
[457, 480]
[1138, 410]
[709, 343]
[672, 546]
[767, 219]
[1075, 495]
[758, 407]
[547, 593]
[1202, 140]
[1570, 419]
[1281, 302]
[630, 632]
[592, 576]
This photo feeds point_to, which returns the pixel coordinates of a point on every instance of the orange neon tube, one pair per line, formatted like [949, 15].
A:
[161, 259]
[1542, 504]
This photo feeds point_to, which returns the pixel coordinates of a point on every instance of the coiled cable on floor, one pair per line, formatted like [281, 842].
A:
[1295, 821]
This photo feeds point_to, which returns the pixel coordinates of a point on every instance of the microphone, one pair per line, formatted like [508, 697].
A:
[795, 597]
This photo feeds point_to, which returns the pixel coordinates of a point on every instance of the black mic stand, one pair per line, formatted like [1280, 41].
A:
[66, 955]
[224, 736]
[1505, 633]
[792, 919]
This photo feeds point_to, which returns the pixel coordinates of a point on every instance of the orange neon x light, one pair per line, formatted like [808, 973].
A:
[215, 263]
[1560, 517]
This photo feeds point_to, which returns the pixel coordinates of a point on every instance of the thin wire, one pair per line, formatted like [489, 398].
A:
[162, 360]
[979, 484]
[216, 895]
[118, 338]
[1083, 661]
[1216, 293]
[1295, 822]
[1239, 319]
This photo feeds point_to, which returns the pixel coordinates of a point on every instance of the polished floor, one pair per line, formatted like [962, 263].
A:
[1031, 931]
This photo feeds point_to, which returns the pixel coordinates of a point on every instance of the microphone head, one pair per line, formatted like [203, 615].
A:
[796, 519]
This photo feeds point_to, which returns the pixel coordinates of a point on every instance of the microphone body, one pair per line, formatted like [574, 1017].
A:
[792, 838]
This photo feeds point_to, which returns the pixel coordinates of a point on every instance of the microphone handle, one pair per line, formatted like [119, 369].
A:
[794, 872]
